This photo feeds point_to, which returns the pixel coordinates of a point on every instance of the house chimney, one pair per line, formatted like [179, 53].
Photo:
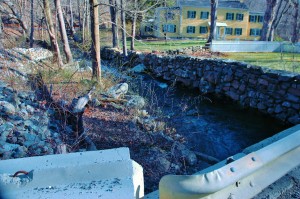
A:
[242, 1]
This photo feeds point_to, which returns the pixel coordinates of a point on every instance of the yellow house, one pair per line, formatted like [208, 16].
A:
[191, 19]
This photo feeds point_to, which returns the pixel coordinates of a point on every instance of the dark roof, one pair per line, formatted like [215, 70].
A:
[236, 4]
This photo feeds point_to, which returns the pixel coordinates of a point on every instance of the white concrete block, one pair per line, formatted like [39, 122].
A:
[96, 174]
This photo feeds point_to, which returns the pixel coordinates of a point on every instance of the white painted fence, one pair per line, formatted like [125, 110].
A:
[254, 46]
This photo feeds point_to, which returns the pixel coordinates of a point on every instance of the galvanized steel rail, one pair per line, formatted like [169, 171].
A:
[243, 178]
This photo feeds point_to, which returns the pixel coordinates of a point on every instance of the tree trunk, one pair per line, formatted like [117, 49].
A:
[133, 28]
[270, 15]
[95, 33]
[87, 21]
[51, 32]
[123, 2]
[213, 20]
[32, 23]
[281, 10]
[71, 19]
[114, 27]
[79, 15]
[63, 32]
[84, 20]
[1, 32]
[15, 14]
[295, 34]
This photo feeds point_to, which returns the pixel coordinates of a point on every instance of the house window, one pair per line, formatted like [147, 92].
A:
[239, 17]
[228, 31]
[191, 14]
[204, 15]
[169, 28]
[260, 19]
[190, 29]
[229, 16]
[203, 29]
[148, 28]
[252, 18]
[255, 32]
[169, 16]
[238, 31]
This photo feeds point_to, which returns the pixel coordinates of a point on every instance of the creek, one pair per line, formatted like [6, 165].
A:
[213, 126]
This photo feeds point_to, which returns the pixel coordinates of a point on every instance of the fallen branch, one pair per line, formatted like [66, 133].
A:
[206, 158]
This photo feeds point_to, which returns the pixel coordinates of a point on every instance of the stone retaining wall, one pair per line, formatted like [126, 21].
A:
[274, 92]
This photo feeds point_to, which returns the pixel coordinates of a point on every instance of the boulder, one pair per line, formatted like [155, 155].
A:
[7, 108]
[117, 90]
[182, 152]
[135, 102]
[138, 68]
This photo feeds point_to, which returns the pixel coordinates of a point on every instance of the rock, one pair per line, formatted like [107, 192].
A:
[7, 108]
[31, 139]
[23, 113]
[162, 85]
[181, 151]
[135, 102]
[8, 147]
[117, 90]
[138, 68]
[294, 120]
[149, 124]
[79, 105]
[29, 109]
[162, 164]
[20, 152]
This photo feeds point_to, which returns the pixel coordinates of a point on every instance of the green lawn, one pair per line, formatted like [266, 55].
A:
[161, 45]
[284, 61]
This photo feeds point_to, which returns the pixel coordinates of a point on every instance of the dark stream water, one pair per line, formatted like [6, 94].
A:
[216, 127]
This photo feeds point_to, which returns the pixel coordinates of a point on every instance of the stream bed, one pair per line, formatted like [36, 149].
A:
[216, 127]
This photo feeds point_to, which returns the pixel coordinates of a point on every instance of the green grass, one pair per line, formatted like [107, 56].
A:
[285, 61]
[162, 45]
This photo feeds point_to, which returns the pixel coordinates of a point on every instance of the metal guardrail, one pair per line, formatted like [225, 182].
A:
[243, 178]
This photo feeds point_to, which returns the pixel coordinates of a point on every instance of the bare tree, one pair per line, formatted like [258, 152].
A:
[8, 8]
[114, 22]
[133, 28]
[283, 8]
[79, 15]
[1, 31]
[63, 32]
[71, 19]
[123, 2]
[96, 62]
[213, 19]
[31, 23]
[86, 20]
[295, 33]
[270, 15]
[52, 34]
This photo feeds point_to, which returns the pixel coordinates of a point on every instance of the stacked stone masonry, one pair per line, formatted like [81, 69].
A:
[274, 92]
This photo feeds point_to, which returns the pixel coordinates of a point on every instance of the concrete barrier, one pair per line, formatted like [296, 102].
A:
[97, 174]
